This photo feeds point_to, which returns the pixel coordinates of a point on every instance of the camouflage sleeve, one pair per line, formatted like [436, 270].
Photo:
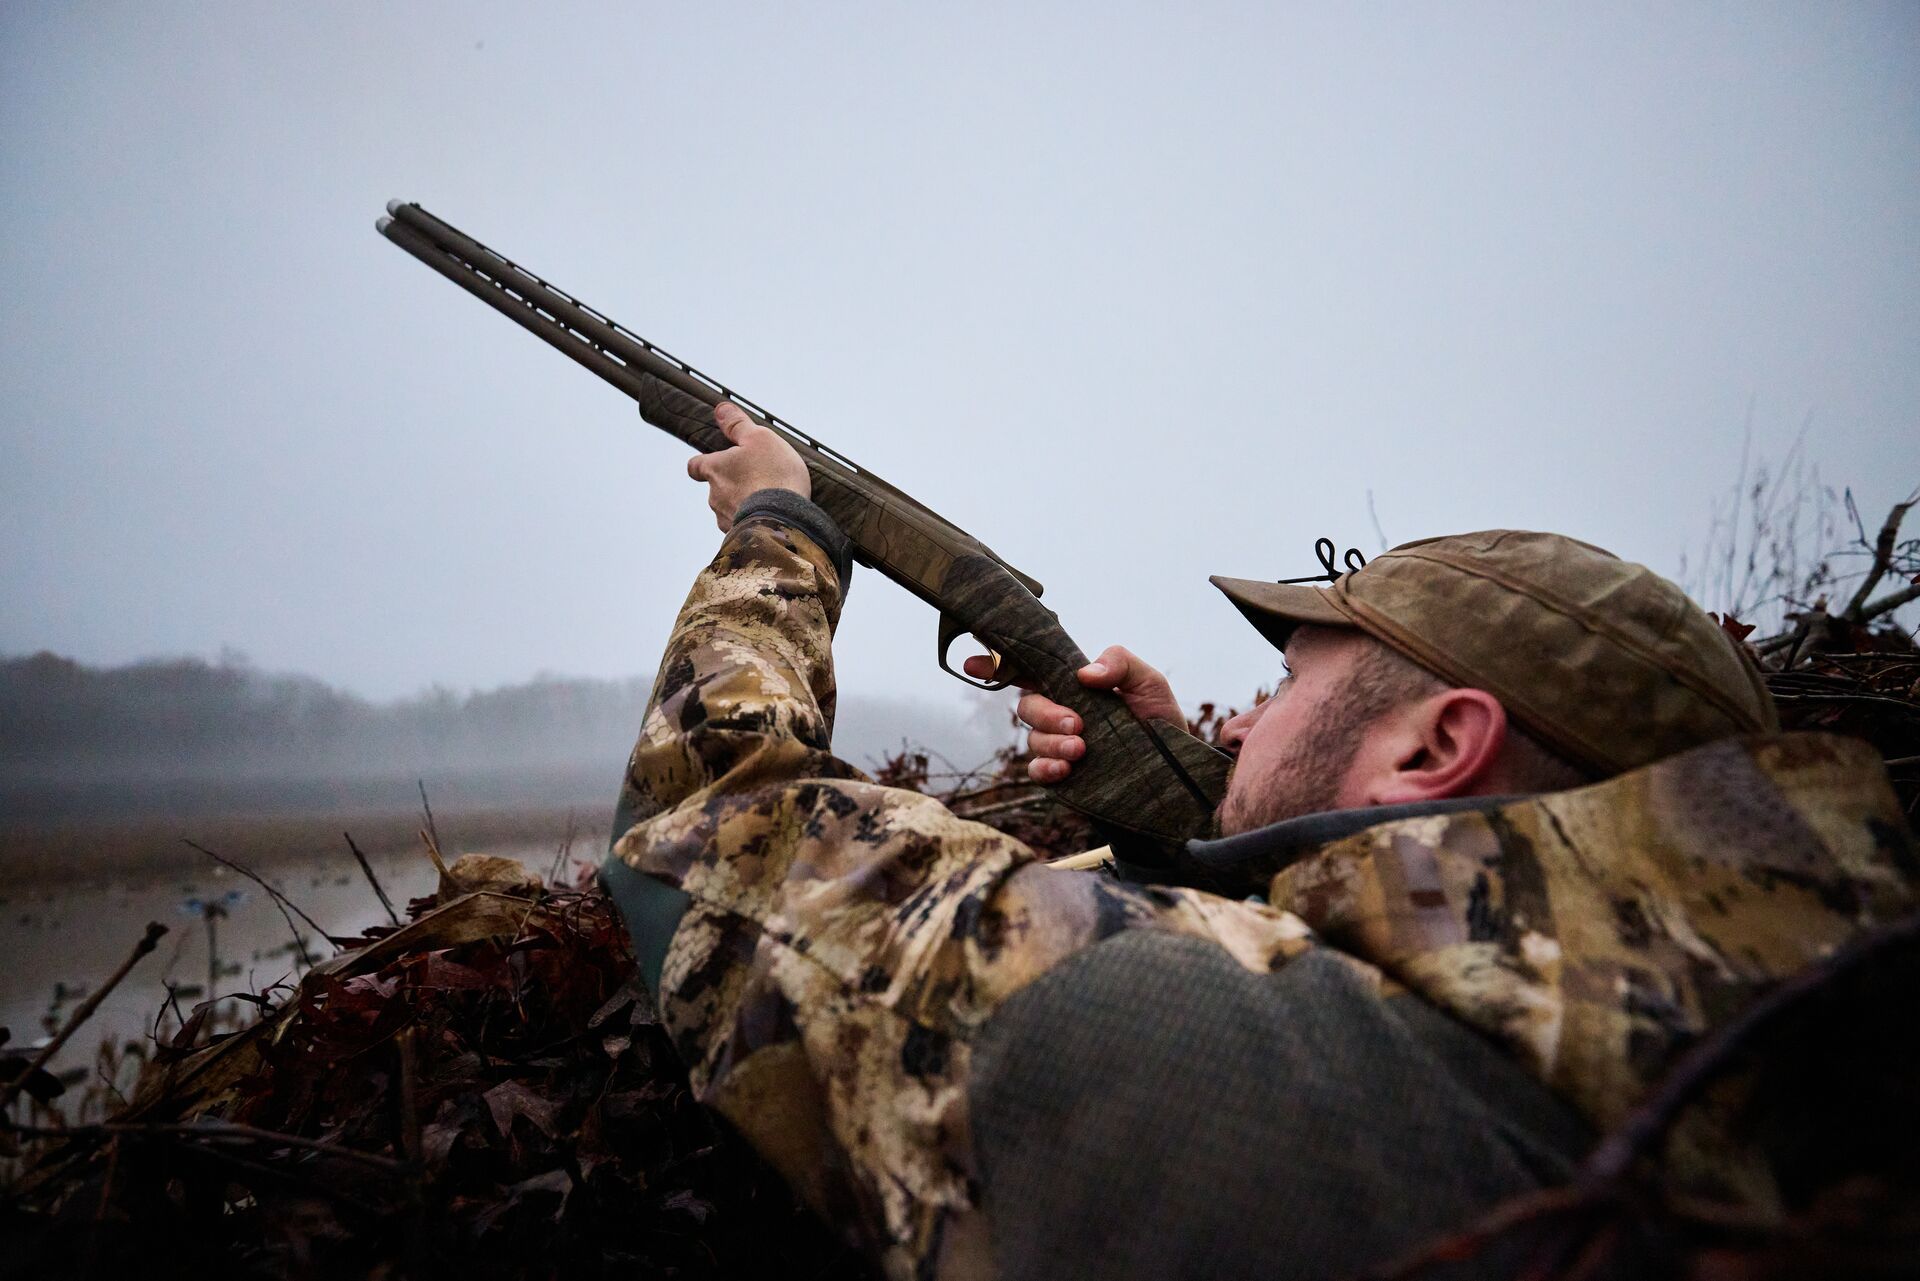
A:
[833, 945]
[747, 679]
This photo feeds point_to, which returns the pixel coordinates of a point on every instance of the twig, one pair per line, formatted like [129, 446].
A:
[433, 855]
[255, 877]
[1882, 561]
[1603, 1178]
[565, 852]
[410, 1145]
[958, 798]
[1374, 516]
[100, 1071]
[213, 952]
[306, 957]
[427, 808]
[372, 880]
[1701, 1063]
[173, 1003]
[215, 1130]
[1900, 703]
[90, 1258]
[209, 913]
[279, 1175]
[1872, 610]
[1570, 1262]
[1890, 602]
[1815, 620]
[1865, 614]
[1003, 807]
[1476, 1237]
[147, 943]
[940, 775]
[409, 1097]
[1871, 656]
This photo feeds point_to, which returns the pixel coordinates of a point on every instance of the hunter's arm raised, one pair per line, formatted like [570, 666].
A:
[824, 949]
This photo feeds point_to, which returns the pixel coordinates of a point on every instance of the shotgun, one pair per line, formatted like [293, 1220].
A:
[1148, 785]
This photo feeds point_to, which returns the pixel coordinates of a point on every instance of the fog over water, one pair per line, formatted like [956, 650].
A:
[190, 737]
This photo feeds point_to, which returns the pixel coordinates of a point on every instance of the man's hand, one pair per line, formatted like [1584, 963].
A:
[1054, 731]
[760, 459]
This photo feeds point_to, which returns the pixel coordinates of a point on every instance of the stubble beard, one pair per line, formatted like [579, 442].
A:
[1304, 780]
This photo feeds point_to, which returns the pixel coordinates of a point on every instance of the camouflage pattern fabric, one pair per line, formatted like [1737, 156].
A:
[844, 942]
[1596, 932]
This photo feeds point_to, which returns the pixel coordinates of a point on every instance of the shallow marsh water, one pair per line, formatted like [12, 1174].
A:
[62, 940]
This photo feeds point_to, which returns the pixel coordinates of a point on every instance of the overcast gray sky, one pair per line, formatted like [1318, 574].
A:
[1134, 293]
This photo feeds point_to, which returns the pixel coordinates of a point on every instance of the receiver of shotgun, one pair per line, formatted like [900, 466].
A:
[1148, 784]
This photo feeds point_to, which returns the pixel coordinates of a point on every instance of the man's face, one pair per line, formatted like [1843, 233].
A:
[1296, 749]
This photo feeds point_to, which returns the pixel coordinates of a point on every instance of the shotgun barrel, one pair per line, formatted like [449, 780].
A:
[1147, 784]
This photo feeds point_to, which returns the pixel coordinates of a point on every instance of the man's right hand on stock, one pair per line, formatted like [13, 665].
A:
[1054, 731]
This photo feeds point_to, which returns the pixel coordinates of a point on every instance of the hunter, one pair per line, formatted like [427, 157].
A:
[1518, 824]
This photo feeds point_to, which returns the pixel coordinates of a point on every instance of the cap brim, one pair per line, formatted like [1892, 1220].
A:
[1277, 608]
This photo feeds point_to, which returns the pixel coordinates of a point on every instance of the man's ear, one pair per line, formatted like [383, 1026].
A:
[1447, 744]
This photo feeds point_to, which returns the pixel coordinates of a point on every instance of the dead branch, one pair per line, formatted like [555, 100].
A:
[1793, 638]
[279, 898]
[1900, 703]
[961, 798]
[427, 808]
[565, 853]
[1469, 1242]
[372, 880]
[1603, 1186]
[215, 1130]
[147, 943]
[1700, 1065]
[1890, 602]
[283, 1176]
[1814, 624]
[409, 1096]
[1005, 807]
[1882, 562]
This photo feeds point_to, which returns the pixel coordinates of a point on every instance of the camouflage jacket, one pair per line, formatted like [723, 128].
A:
[831, 955]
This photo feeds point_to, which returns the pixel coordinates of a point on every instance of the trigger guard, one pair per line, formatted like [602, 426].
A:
[950, 634]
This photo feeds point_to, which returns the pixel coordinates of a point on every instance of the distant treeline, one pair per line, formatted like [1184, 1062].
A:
[187, 718]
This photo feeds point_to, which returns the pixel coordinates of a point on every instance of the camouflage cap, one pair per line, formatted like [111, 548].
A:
[1603, 660]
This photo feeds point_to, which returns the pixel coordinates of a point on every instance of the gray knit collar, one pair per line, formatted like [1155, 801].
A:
[1248, 861]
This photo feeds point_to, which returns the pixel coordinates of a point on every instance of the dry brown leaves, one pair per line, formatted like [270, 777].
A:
[483, 1092]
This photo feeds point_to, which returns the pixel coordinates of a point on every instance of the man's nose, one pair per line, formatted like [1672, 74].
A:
[1235, 731]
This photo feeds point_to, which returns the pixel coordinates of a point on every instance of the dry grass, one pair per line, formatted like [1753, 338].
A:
[72, 850]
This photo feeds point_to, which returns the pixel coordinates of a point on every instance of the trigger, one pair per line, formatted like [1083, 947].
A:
[951, 630]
